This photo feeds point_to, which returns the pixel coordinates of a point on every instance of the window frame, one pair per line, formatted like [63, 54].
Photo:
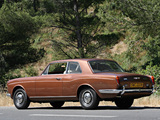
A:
[103, 60]
[73, 72]
[67, 67]
[47, 68]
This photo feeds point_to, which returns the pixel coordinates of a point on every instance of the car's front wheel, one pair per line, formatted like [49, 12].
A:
[124, 103]
[57, 104]
[20, 99]
[88, 98]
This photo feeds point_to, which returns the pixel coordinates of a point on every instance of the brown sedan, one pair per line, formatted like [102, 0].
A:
[85, 80]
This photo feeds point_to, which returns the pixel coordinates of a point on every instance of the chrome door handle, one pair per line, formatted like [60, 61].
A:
[58, 78]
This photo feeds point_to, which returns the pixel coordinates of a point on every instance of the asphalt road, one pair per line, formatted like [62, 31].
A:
[72, 113]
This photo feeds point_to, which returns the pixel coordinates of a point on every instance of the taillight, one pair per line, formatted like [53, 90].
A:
[152, 78]
[117, 79]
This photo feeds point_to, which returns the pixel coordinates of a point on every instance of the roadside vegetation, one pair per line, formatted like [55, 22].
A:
[35, 32]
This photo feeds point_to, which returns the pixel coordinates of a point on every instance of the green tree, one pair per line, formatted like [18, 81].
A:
[138, 16]
[139, 20]
[141, 14]
[143, 17]
[2, 68]
[80, 32]
[16, 27]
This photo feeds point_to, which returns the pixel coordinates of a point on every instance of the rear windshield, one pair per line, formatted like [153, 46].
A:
[105, 66]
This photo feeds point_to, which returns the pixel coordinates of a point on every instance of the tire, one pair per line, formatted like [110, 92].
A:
[57, 104]
[124, 103]
[20, 99]
[88, 99]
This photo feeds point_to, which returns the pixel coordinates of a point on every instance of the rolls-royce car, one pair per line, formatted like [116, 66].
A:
[88, 81]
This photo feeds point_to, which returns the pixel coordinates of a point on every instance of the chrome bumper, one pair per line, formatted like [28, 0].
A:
[8, 94]
[122, 91]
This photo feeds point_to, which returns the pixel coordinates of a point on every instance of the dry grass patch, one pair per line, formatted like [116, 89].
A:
[151, 101]
[5, 100]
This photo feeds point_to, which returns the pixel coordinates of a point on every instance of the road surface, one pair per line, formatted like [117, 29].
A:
[72, 113]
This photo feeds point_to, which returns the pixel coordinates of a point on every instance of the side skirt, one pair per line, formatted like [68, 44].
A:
[53, 98]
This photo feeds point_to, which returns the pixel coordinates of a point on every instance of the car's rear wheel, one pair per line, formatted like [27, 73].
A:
[88, 98]
[20, 99]
[57, 104]
[124, 103]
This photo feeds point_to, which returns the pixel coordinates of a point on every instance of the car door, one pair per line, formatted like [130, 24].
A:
[71, 79]
[49, 84]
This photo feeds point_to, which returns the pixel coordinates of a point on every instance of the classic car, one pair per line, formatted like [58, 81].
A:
[88, 81]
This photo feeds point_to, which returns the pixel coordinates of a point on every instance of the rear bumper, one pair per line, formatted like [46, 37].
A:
[122, 91]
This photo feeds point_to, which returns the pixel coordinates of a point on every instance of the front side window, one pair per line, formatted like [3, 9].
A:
[105, 66]
[73, 67]
[55, 68]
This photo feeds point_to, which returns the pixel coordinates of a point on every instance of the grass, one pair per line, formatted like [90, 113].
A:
[5, 100]
[151, 101]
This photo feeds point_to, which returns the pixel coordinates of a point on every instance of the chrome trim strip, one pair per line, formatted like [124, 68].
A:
[122, 91]
[110, 91]
[47, 97]
[139, 90]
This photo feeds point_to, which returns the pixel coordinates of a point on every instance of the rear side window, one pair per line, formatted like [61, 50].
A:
[74, 67]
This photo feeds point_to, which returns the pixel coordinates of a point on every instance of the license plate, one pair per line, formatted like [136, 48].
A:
[134, 85]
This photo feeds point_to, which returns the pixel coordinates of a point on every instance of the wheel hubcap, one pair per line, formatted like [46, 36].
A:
[87, 97]
[19, 97]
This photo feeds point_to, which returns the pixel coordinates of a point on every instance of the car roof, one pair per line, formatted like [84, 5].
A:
[82, 59]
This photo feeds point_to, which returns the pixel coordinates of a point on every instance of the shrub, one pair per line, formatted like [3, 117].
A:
[153, 70]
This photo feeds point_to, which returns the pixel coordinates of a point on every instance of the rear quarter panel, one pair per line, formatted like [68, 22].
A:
[75, 81]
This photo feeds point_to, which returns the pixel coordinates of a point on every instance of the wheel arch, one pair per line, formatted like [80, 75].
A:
[84, 86]
[15, 88]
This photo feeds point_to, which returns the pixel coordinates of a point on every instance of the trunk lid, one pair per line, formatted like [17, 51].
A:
[132, 80]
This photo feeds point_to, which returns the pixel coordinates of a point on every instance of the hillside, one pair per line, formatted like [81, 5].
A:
[33, 33]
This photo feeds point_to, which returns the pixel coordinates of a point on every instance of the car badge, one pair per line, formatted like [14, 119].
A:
[125, 79]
